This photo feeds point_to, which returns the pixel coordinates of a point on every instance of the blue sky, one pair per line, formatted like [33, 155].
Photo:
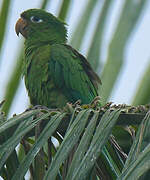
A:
[136, 58]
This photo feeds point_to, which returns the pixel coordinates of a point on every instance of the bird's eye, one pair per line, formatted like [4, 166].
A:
[36, 19]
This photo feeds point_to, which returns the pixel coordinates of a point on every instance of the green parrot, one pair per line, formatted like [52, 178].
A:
[55, 73]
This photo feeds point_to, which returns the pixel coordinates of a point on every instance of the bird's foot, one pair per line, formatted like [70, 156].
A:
[42, 108]
[70, 107]
[77, 103]
[94, 104]
[96, 101]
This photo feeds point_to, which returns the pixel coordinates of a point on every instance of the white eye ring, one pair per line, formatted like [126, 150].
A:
[36, 19]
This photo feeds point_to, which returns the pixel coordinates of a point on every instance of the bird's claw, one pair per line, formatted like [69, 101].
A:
[96, 102]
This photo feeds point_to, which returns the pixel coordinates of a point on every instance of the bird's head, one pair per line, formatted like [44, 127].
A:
[39, 26]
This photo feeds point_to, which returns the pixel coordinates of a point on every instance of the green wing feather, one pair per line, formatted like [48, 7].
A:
[72, 74]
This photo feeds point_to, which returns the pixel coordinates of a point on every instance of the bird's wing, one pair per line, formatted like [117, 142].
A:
[73, 74]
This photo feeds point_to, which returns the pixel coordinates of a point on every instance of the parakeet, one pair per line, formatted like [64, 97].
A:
[55, 73]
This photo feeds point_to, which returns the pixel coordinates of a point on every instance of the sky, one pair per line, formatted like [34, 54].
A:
[137, 54]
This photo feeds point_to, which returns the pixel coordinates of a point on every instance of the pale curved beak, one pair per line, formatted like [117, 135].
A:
[21, 27]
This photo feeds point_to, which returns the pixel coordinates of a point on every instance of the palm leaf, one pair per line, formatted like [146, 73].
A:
[142, 95]
[3, 19]
[87, 132]
[138, 161]
[127, 22]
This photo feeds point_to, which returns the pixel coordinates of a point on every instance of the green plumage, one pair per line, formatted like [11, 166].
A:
[55, 73]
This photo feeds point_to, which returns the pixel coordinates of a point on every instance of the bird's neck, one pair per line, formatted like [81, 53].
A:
[37, 39]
